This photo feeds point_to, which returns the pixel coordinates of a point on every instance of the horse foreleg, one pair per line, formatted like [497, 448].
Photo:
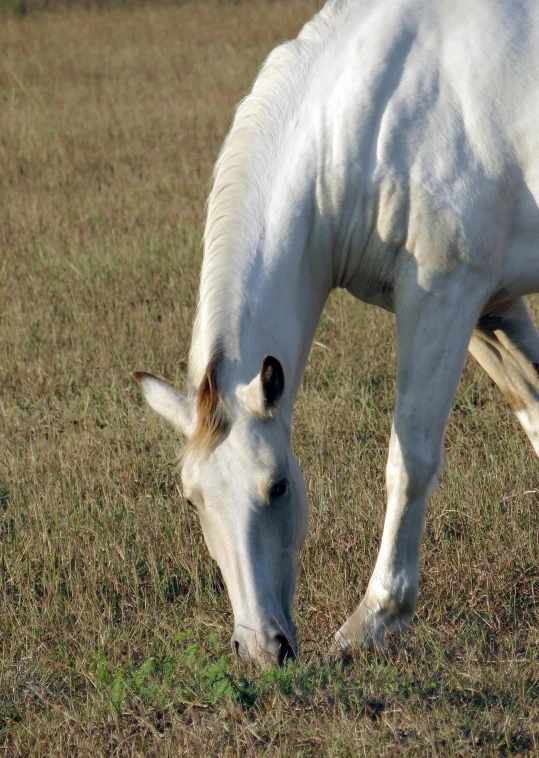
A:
[506, 345]
[433, 333]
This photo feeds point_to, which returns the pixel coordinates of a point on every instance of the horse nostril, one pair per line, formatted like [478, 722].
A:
[236, 646]
[286, 651]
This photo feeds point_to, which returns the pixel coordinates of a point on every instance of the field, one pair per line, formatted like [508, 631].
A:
[114, 622]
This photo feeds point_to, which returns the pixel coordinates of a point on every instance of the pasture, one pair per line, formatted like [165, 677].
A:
[114, 623]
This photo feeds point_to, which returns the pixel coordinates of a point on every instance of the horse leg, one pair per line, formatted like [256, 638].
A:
[433, 333]
[506, 345]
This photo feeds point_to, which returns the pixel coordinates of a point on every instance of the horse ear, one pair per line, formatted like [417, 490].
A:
[272, 378]
[168, 402]
[263, 394]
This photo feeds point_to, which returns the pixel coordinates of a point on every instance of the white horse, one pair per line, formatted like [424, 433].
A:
[391, 149]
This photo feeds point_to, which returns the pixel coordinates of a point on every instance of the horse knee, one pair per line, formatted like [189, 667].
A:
[415, 473]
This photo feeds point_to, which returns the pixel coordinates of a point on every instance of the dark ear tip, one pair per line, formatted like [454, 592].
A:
[271, 365]
[139, 376]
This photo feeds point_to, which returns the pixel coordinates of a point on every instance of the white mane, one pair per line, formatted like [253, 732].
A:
[243, 174]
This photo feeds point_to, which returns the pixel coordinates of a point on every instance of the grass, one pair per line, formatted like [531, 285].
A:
[114, 623]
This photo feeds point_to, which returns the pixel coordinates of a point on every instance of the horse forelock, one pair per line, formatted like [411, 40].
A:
[212, 416]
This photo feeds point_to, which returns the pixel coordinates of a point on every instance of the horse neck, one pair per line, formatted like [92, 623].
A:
[271, 256]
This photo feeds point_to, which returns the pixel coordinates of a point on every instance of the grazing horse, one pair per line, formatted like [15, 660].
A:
[391, 149]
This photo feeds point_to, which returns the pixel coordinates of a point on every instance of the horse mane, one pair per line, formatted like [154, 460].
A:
[244, 171]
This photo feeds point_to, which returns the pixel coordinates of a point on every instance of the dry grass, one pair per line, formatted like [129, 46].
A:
[114, 625]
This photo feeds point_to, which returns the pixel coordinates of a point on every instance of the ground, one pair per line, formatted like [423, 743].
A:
[114, 623]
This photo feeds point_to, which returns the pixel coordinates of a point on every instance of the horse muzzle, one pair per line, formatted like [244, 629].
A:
[266, 648]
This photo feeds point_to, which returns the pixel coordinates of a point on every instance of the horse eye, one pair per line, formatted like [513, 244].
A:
[278, 490]
[190, 502]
